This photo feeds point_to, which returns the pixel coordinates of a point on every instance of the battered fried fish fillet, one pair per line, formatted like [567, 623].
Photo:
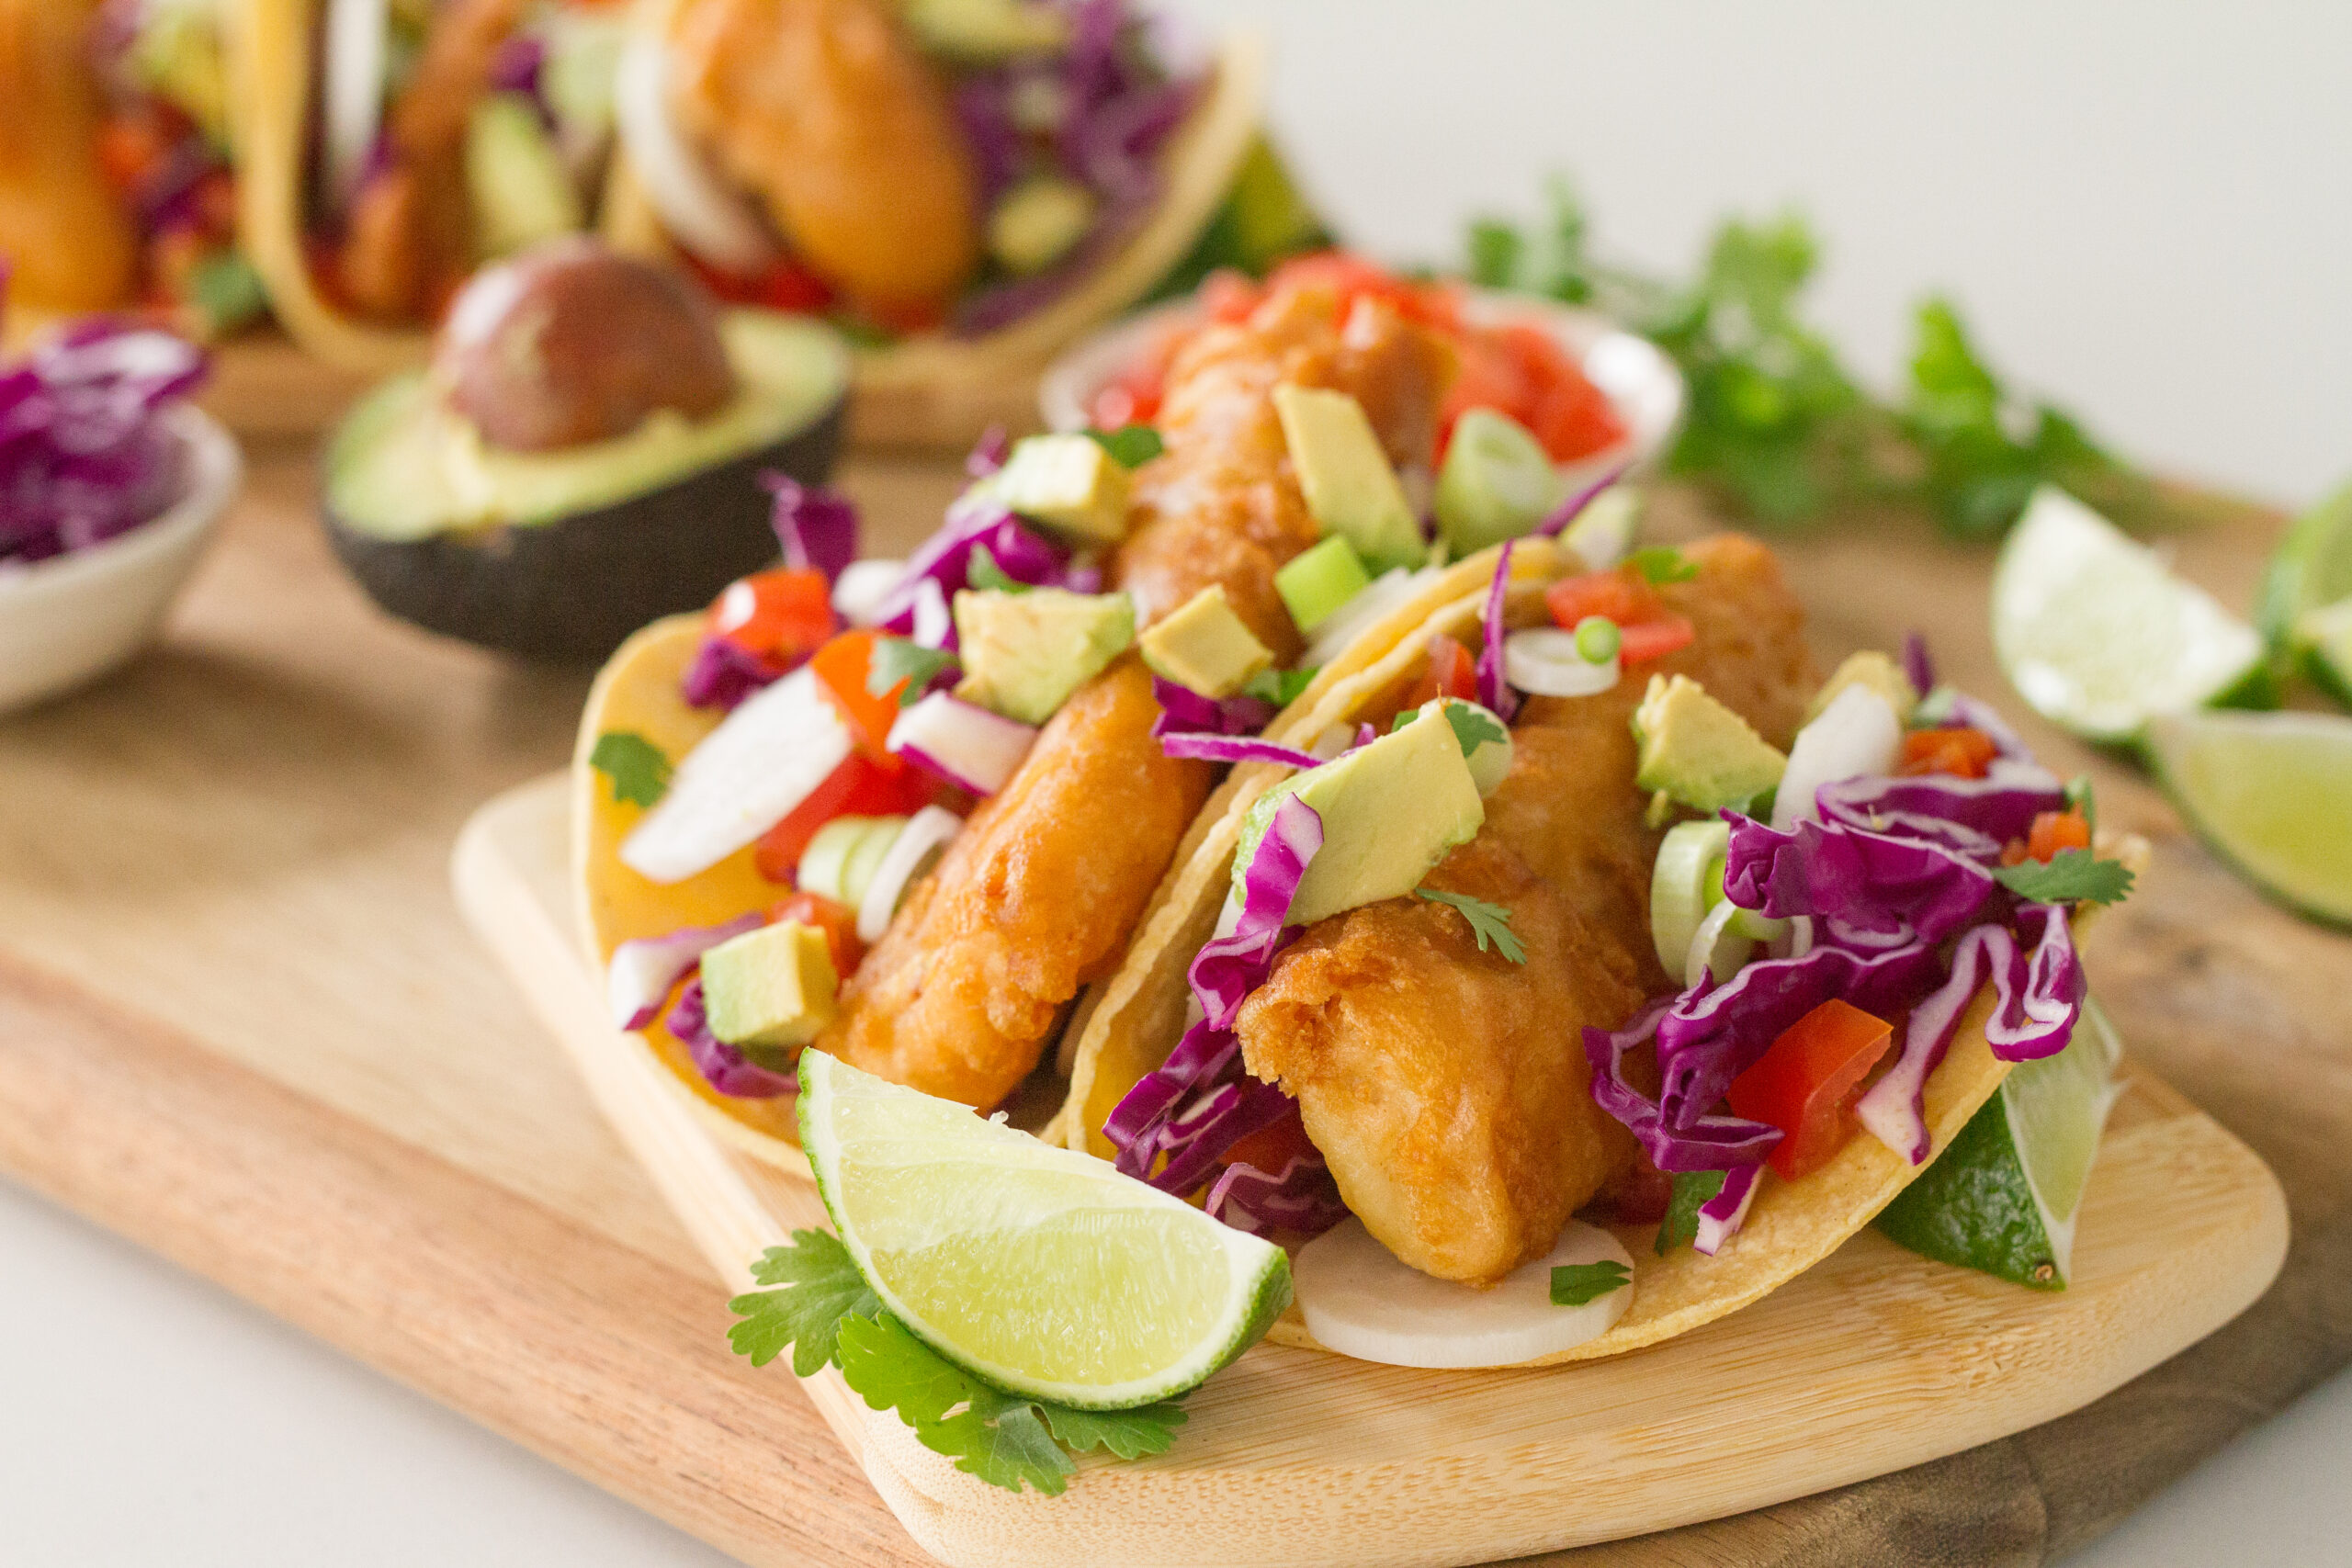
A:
[64, 232]
[1447, 1087]
[1039, 893]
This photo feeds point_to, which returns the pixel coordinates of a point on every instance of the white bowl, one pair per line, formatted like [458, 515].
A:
[73, 617]
[1642, 384]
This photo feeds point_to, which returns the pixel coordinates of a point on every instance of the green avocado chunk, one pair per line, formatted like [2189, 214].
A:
[982, 32]
[1036, 222]
[1025, 653]
[515, 178]
[1390, 810]
[1497, 482]
[1067, 481]
[770, 987]
[1697, 750]
[1351, 490]
[1205, 646]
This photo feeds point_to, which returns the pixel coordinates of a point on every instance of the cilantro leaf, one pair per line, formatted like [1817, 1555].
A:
[1664, 563]
[1127, 1433]
[1488, 922]
[981, 571]
[637, 769]
[2075, 877]
[1680, 1226]
[823, 1292]
[1003, 1442]
[885, 1364]
[1472, 726]
[1574, 1284]
[898, 659]
[1130, 446]
[1280, 687]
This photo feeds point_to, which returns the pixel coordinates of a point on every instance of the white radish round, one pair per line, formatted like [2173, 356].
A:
[744, 778]
[701, 213]
[1857, 736]
[1358, 1300]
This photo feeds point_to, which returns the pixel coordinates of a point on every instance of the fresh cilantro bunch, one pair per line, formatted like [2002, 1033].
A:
[823, 1310]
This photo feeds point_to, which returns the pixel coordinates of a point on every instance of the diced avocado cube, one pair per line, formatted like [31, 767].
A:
[1316, 582]
[1066, 482]
[981, 32]
[1698, 751]
[1205, 646]
[1351, 490]
[521, 191]
[1036, 222]
[1390, 810]
[1874, 670]
[1025, 653]
[1497, 482]
[770, 987]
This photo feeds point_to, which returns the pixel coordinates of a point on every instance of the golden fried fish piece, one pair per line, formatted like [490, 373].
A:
[65, 233]
[1447, 1087]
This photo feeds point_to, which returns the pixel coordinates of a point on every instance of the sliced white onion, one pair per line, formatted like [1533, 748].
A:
[1332, 741]
[967, 745]
[643, 969]
[1546, 660]
[1375, 598]
[1680, 885]
[934, 619]
[700, 212]
[747, 774]
[1796, 940]
[1358, 1300]
[862, 586]
[927, 832]
[351, 91]
[1856, 736]
[1602, 534]
[1716, 948]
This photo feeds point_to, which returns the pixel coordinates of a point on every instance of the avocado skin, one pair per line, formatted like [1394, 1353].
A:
[572, 591]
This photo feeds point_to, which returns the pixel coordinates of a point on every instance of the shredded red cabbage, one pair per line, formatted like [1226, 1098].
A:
[1303, 1199]
[723, 673]
[1184, 711]
[1235, 749]
[816, 527]
[989, 453]
[1494, 691]
[1870, 890]
[944, 562]
[1918, 665]
[1970, 817]
[1709, 1143]
[85, 455]
[1573, 508]
[1723, 1214]
[723, 1066]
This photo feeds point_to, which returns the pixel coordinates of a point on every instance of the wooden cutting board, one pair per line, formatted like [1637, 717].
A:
[242, 1022]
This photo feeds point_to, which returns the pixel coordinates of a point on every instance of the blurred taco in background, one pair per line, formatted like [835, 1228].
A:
[118, 183]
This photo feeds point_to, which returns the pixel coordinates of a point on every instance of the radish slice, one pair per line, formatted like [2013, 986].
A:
[1546, 662]
[743, 780]
[700, 213]
[351, 106]
[1360, 1301]
[1858, 735]
[965, 744]
[927, 832]
[643, 969]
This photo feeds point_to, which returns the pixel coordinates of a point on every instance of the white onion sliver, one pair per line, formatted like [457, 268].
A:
[978, 750]
[1715, 948]
[862, 586]
[1545, 660]
[700, 213]
[1858, 735]
[351, 92]
[746, 776]
[643, 969]
[926, 832]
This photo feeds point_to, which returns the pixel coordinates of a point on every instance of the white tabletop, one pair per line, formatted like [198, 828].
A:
[2143, 208]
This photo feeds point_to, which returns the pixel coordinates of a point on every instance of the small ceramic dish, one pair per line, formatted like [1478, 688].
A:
[1640, 381]
[67, 620]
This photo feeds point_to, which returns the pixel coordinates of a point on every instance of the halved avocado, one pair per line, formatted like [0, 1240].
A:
[562, 555]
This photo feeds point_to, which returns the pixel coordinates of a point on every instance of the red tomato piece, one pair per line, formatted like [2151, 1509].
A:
[841, 666]
[859, 787]
[1452, 674]
[2056, 831]
[1807, 1083]
[781, 617]
[1271, 1148]
[835, 918]
[1966, 753]
[1622, 595]
[1646, 640]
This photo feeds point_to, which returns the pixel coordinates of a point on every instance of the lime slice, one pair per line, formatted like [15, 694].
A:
[1039, 1268]
[2099, 637]
[2003, 1199]
[2271, 792]
[2306, 606]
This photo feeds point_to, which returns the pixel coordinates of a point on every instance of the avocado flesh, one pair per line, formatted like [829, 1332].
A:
[403, 468]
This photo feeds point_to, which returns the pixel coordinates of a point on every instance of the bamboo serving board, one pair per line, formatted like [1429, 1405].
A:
[242, 1022]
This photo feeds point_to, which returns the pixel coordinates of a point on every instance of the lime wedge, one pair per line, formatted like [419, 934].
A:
[2306, 606]
[2271, 792]
[2003, 1199]
[1041, 1270]
[2099, 637]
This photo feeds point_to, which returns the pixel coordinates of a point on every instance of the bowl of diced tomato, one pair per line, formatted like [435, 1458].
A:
[1598, 398]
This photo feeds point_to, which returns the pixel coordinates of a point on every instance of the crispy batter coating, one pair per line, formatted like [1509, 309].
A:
[1447, 1086]
[829, 112]
[63, 231]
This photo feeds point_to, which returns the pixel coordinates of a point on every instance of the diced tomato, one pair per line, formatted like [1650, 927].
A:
[859, 787]
[1452, 674]
[1807, 1083]
[1271, 1148]
[1646, 640]
[1622, 595]
[131, 148]
[1965, 752]
[780, 616]
[2056, 831]
[787, 286]
[841, 666]
[1228, 297]
[835, 918]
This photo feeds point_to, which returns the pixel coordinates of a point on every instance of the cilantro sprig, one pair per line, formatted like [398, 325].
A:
[637, 769]
[982, 571]
[1131, 447]
[1574, 1284]
[1280, 687]
[1691, 1190]
[898, 659]
[825, 1313]
[1488, 922]
[2072, 876]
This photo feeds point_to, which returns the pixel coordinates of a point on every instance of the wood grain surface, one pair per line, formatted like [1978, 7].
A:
[224, 887]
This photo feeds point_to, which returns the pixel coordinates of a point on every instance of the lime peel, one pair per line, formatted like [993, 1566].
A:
[2270, 793]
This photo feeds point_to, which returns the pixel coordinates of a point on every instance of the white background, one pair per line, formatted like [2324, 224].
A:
[2146, 211]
